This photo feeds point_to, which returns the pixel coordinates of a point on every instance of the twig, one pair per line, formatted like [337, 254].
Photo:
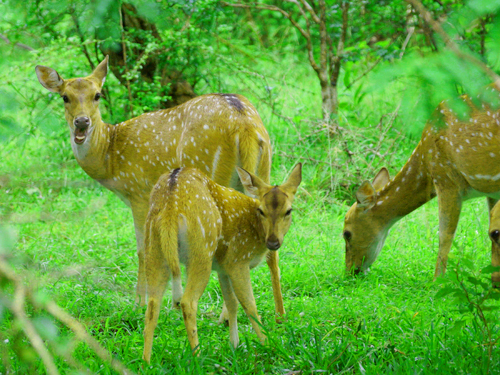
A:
[80, 34]
[18, 45]
[26, 325]
[20, 295]
[426, 15]
[124, 52]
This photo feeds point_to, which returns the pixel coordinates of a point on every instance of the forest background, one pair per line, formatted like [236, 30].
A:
[343, 86]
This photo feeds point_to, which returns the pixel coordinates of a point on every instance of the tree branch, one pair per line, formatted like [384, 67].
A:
[18, 45]
[426, 15]
[287, 15]
[336, 60]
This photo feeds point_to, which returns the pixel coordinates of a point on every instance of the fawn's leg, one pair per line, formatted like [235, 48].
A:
[231, 303]
[198, 274]
[240, 280]
[272, 259]
[157, 275]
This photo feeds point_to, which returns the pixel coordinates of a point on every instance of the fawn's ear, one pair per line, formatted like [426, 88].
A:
[294, 180]
[99, 74]
[381, 179]
[251, 183]
[49, 78]
[366, 196]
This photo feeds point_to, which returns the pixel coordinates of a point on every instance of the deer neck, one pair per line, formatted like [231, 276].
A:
[239, 214]
[93, 155]
[411, 187]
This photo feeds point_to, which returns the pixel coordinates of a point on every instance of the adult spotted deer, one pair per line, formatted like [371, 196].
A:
[214, 133]
[455, 160]
[193, 220]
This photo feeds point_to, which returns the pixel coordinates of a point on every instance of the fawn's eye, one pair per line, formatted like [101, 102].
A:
[347, 235]
[288, 212]
[65, 98]
[97, 96]
[260, 211]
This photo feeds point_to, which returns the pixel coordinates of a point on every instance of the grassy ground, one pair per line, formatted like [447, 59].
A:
[76, 242]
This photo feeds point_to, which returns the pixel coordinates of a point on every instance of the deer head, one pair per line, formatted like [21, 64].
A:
[275, 206]
[365, 229]
[80, 95]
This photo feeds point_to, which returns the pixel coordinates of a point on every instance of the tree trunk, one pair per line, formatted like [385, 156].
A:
[180, 90]
[329, 101]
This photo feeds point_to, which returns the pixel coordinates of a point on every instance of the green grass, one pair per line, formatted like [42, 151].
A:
[75, 242]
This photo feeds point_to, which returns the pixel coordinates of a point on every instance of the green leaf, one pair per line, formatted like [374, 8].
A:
[490, 269]
[457, 327]
[446, 291]
[484, 6]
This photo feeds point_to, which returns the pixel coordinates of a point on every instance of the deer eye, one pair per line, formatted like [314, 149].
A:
[288, 212]
[347, 235]
[97, 96]
[260, 211]
[65, 98]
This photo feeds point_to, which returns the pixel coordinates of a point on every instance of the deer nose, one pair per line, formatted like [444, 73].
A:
[273, 244]
[82, 122]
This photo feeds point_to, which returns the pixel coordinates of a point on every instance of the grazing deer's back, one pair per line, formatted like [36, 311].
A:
[471, 147]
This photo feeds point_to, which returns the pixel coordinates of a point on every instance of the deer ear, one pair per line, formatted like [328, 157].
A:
[101, 71]
[381, 179]
[294, 180]
[366, 196]
[49, 78]
[250, 182]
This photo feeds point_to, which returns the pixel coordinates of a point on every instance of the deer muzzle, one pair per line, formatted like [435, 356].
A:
[272, 243]
[82, 124]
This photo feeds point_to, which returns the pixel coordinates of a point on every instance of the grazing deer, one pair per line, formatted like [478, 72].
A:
[455, 160]
[214, 133]
[495, 240]
[194, 221]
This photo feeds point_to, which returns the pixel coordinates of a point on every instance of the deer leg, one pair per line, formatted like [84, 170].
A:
[198, 274]
[272, 260]
[157, 279]
[240, 280]
[450, 205]
[495, 249]
[140, 295]
[231, 303]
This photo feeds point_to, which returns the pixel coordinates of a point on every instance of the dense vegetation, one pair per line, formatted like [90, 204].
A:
[386, 69]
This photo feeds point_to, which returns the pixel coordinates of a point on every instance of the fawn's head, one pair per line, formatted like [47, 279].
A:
[365, 226]
[275, 203]
[80, 95]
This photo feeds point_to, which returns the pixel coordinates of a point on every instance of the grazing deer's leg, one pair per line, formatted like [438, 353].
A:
[198, 274]
[450, 205]
[157, 279]
[240, 280]
[272, 259]
[140, 297]
[231, 303]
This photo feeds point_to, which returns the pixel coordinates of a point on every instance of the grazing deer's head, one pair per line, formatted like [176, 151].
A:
[365, 229]
[80, 95]
[275, 206]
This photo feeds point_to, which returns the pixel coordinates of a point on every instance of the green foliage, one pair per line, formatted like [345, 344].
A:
[77, 240]
[475, 300]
